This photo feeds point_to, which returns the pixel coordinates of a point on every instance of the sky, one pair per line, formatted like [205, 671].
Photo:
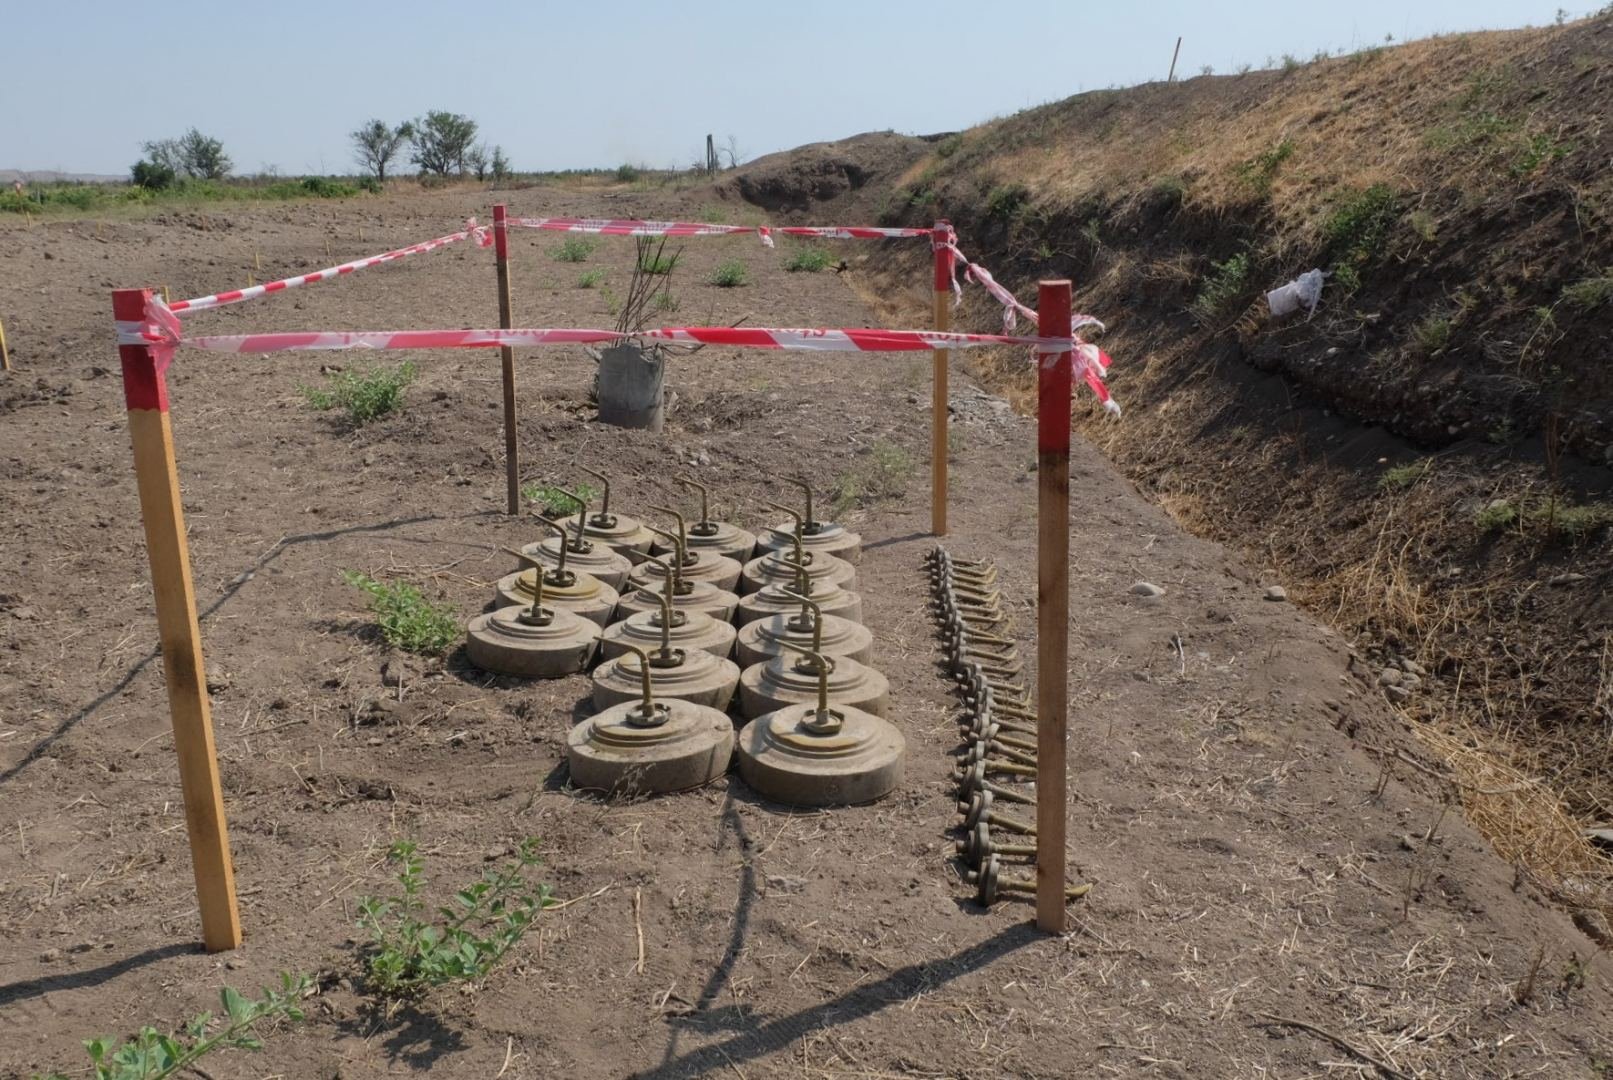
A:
[577, 85]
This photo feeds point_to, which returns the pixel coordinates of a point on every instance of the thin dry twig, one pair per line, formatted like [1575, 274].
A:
[638, 928]
[1339, 1041]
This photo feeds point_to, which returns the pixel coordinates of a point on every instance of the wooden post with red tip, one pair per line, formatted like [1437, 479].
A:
[512, 456]
[939, 397]
[1053, 394]
[145, 391]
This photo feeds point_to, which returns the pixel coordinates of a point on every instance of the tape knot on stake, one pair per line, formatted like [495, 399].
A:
[159, 331]
[766, 234]
[479, 233]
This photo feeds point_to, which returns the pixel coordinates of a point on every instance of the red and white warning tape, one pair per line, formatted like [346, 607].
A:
[637, 227]
[480, 233]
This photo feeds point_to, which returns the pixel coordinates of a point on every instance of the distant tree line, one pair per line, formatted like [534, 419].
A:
[440, 144]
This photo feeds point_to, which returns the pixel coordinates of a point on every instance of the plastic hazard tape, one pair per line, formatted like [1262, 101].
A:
[636, 227]
[472, 230]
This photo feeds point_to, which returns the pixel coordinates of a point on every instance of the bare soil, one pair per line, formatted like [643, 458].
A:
[1262, 848]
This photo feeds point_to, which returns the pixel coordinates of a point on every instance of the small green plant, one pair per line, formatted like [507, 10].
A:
[626, 174]
[557, 503]
[1259, 171]
[1496, 515]
[1401, 477]
[1005, 201]
[810, 259]
[665, 302]
[729, 274]
[1539, 149]
[1591, 292]
[949, 146]
[1423, 224]
[613, 303]
[1432, 334]
[1291, 63]
[589, 278]
[413, 950]
[152, 1055]
[1563, 519]
[657, 263]
[883, 475]
[365, 395]
[1222, 289]
[574, 249]
[1356, 228]
[407, 619]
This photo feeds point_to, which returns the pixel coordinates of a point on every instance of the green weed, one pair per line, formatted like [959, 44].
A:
[1401, 477]
[1222, 289]
[1432, 334]
[1354, 232]
[613, 303]
[1005, 201]
[883, 475]
[1574, 523]
[665, 302]
[1423, 224]
[949, 146]
[1259, 171]
[557, 503]
[1590, 292]
[413, 949]
[151, 1055]
[575, 249]
[365, 395]
[809, 259]
[1291, 63]
[1498, 514]
[627, 174]
[729, 274]
[655, 263]
[407, 619]
[1539, 149]
[589, 278]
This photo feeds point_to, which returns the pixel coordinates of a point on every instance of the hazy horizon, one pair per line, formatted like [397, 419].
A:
[282, 87]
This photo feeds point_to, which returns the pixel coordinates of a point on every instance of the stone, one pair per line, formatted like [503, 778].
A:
[1410, 681]
[1147, 588]
[1397, 694]
[1390, 676]
[1276, 593]
[395, 673]
[1412, 667]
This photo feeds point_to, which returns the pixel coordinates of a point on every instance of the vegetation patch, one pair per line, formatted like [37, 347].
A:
[555, 502]
[365, 395]
[1259, 171]
[575, 249]
[1354, 232]
[729, 274]
[1005, 201]
[809, 259]
[1591, 292]
[589, 278]
[883, 474]
[1401, 477]
[1222, 289]
[1496, 515]
[407, 620]
[415, 947]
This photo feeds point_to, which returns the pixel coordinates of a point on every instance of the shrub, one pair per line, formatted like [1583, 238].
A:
[371, 185]
[365, 395]
[155, 175]
[626, 174]
[557, 503]
[1578, 522]
[323, 188]
[151, 1055]
[412, 951]
[575, 249]
[1222, 289]
[589, 278]
[407, 619]
[729, 274]
[810, 259]
[1356, 228]
[949, 146]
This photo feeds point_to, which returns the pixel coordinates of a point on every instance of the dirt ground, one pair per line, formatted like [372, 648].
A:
[1264, 844]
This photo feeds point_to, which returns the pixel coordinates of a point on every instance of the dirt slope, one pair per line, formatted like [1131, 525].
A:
[1259, 848]
[1427, 457]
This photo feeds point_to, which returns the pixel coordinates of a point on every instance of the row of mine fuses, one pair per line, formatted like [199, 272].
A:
[998, 724]
[664, 627]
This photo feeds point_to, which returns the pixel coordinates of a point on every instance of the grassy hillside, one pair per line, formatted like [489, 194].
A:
[1426, 460]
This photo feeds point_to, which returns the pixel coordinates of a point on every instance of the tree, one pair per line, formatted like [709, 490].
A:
[193, 154]
[500, 165]
[151, 174]
[375, 145]
[203, 156]
[476, 161]
[731, 152]
[442, 140]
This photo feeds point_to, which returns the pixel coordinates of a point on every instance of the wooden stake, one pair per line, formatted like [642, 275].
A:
[146, 392]
[1052, 600]
[1172, 76]
[327, 247]
[512, 456]
[939, 397]
[5, 353]
[257, 261]
[361, 234]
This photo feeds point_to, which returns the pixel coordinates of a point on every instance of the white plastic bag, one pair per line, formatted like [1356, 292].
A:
[1305, 290]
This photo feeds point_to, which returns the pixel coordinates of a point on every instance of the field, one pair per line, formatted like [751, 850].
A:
[1283, 887]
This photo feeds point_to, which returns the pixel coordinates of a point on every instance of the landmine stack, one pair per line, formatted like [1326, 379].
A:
[998, 761]
[812, 728]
